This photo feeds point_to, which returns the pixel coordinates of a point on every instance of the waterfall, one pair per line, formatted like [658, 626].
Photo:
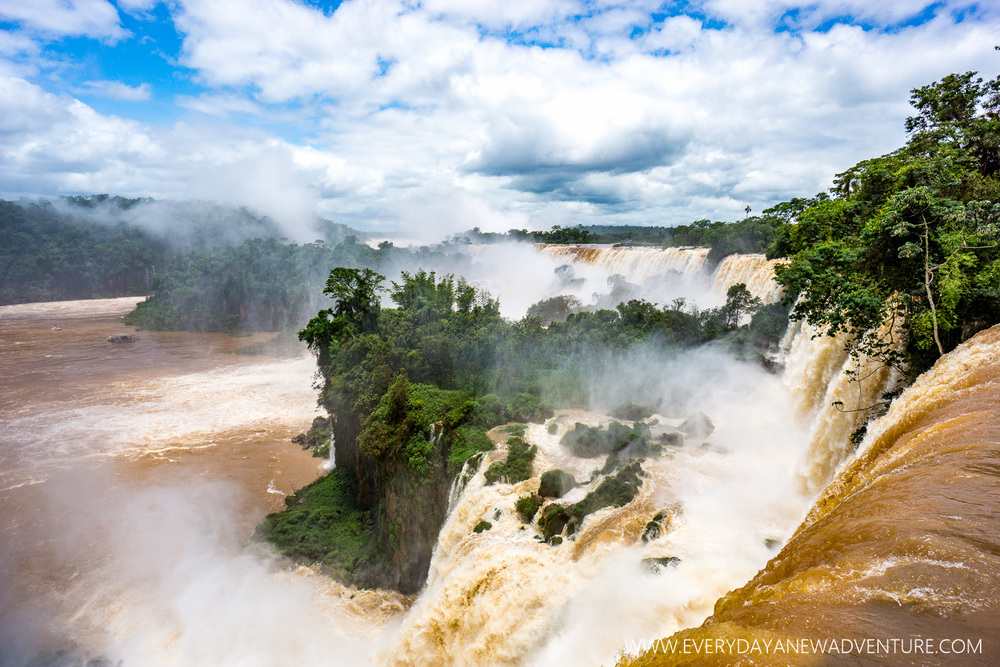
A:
[902, 543]
[637, 264]
[834, 392]
[502, 596]
[755, 271]
[331, 457]
[469, 469]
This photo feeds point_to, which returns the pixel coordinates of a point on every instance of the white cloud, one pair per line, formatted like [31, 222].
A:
[497, 15]
[91, 18]
[219, 105]
[813, 14]
[13, 43]
[414, 115]
[118, 90]
[137, 5]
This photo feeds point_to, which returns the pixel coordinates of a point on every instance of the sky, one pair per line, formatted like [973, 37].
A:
[420, 117]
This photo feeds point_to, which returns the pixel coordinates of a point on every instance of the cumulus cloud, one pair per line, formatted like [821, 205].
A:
[219, 105]
[118, 90]
[388, 113]
[57, 145]
[90, 18]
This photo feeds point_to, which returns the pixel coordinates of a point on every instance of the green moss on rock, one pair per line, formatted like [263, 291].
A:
[322, 524]
[554, 518]
[615, 491]
[555, 483]
[517, 467]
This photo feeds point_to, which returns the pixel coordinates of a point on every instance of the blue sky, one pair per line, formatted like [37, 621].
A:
[432, 116]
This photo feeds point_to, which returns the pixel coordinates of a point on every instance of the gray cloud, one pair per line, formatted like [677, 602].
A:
[523, 149]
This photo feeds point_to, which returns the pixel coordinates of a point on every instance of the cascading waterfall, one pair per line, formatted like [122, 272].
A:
[331, 458]
[503, 597]
[639, 264]
[469, 468]
[635, 263]
[836, 393]
[755, 271]
[900, 548]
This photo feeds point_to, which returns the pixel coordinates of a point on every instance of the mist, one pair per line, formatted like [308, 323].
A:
[164, 574]
[503, 597]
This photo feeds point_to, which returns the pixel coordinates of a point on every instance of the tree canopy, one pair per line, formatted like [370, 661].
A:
[910, 237]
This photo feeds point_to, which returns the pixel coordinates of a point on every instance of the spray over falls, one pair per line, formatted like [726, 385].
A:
[635, 263]
[901, 543]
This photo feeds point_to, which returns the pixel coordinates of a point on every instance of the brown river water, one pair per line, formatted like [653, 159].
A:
[131, 478]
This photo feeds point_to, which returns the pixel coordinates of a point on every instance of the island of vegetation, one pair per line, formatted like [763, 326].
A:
[905, 244]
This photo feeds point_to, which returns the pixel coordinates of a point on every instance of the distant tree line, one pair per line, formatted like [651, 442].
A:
[754, 234]
[46, 255]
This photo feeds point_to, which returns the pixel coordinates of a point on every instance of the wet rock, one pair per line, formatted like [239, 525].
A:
[709, 447]
[121, 338]
[659, 565]
[554, 518]
[671, 439]
[556, 483]
[317, 438]
[654, 529]
[698, 425]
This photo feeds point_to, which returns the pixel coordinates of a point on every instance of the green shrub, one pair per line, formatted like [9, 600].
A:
[527, 507]
[515, 429]
[517, 467]
[631, 412]
[591, 441]
[465, 442]
[615, 491]
[322, 524]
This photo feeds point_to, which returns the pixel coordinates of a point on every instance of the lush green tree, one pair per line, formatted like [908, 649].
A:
[908, 241]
